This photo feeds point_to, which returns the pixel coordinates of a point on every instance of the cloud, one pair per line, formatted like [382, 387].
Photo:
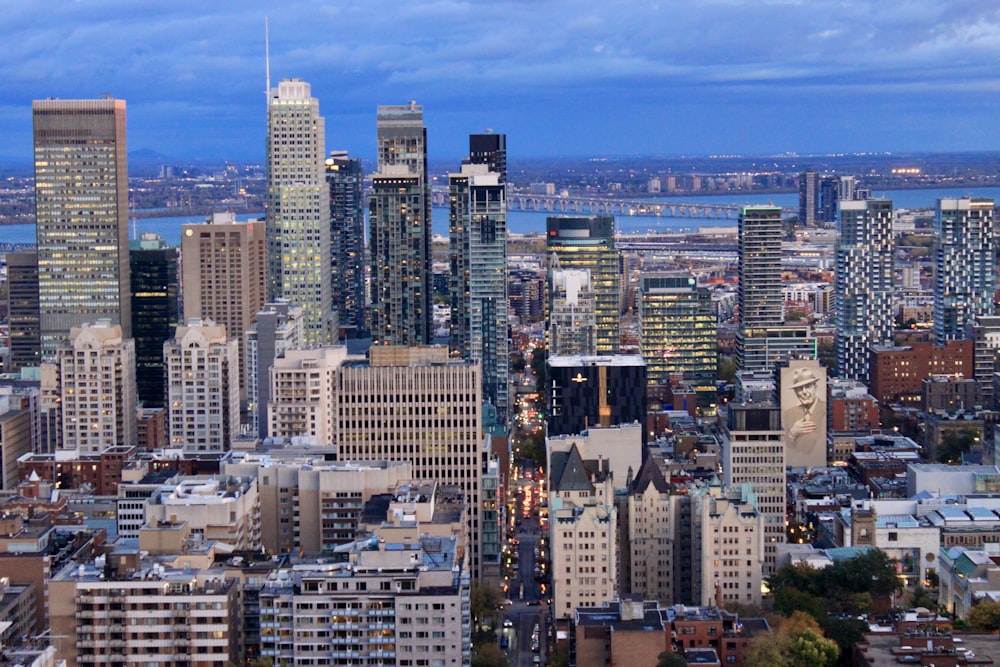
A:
[468, 53]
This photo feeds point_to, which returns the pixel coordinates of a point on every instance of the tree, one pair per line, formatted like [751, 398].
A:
[798, 642]
[985, 616]
[955, 444]
[670, 659]
[727, 369]
[483, 601]
[921, 597]
[489, 655]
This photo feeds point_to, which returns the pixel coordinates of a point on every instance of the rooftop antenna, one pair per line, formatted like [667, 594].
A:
[267, 61]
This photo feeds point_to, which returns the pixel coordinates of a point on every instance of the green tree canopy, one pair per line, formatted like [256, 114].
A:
[985, 616]
[798, 642]
[670, 659]
[489, 655]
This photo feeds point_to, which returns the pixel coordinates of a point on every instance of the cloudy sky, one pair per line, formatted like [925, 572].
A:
[560, 77]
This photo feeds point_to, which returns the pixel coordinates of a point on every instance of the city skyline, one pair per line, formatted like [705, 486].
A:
[560, 79]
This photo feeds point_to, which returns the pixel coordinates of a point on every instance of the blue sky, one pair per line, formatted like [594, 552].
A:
[560, 77]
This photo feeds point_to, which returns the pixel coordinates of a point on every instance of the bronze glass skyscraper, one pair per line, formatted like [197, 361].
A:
[81, 200]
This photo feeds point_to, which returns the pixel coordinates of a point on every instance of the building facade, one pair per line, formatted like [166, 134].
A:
[203, 387]
[81, 211]
[589, 243]
[97, 388]
[865, 284]
[595, 391]
[155, 313]
[478, 281]
[348, 278]
[224, 265]
[964, 265]
[400, 230]
[754, 454]
[677, 330]
[22, 309]
[760, 298]
[278, 327]
[298, 211]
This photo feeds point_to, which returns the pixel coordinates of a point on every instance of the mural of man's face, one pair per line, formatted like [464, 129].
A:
[806, 393]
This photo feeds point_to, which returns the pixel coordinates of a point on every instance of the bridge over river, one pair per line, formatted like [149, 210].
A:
[581, 205]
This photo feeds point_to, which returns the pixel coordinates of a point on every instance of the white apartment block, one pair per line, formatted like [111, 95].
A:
[583, 534]
[651, 528]
[401, 600]
[203, 387]
[96, 384]
[728, 543]
[754, 454]
[146, 613]
[303, 386]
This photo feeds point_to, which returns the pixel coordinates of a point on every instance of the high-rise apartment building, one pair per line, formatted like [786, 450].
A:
[808, 198]
[589, 243]
[347, 242]
[964, 265]
[298, 211]
[155, 313]
[478, 281]
[303, 399]
[22, 309]
[81, 205]
[278, 328]
[400, 230]
[97, 388]
[865, 284]
[490, 149]
[761, 305]
[754, 454]
[203, 387]
[224, 275]
[677, 330]
[572, 312]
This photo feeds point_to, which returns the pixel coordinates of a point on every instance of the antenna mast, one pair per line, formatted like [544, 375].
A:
[267, 62]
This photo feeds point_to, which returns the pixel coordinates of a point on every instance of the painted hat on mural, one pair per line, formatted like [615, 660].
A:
[803, 376]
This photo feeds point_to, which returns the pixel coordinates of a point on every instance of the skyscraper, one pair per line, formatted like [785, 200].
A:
[865, 284]
[490, 149]
[478, 258]
[81, 201]
[347, 240]
[298, 207]
[224, 275]
[589, 243]
[760, 299]
[400, 236]
[22, 309]
[964, 265]
[155, 312]
[808, 197]
[277, 329]
[677, 330]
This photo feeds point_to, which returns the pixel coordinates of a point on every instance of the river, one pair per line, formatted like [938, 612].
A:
[526, 222]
